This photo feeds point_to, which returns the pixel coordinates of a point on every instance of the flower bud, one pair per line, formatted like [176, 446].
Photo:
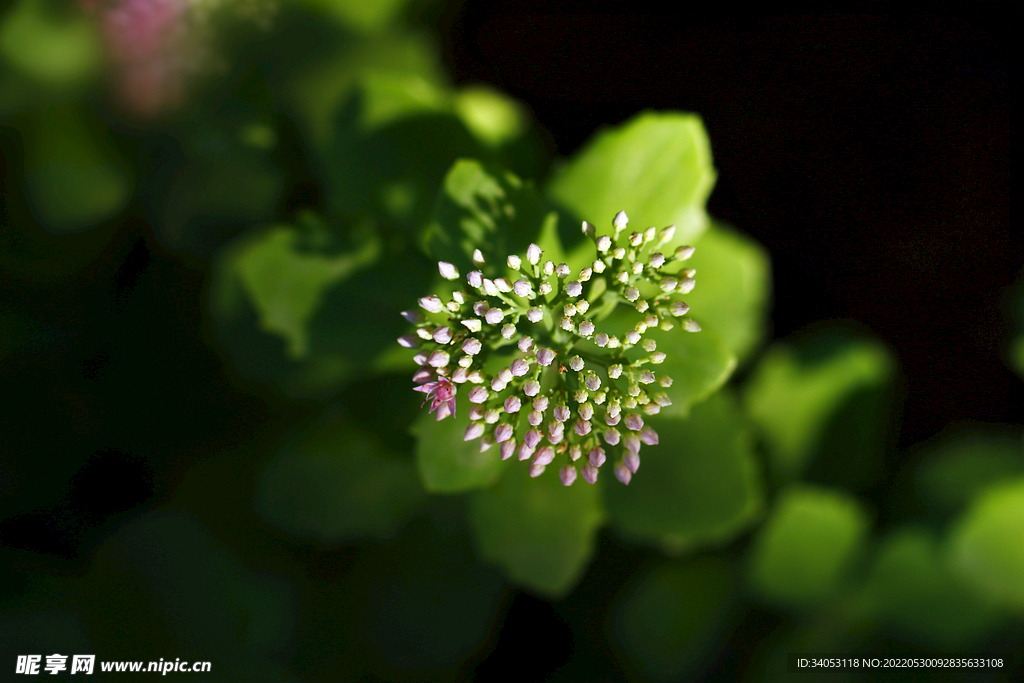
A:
[448, 271]
[533, 254]
[567, 474]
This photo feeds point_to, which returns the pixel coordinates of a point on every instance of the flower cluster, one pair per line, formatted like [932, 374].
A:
[542, 382]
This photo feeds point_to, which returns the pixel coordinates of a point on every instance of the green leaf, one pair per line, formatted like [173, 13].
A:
[733, 288]
[699, 363]
[53, 50]
[366, 17]
[491, 115]
[482, 208]
[803, 554]
[921, 598]
[286, 283]
[336, 482]
[699, 486]
[657, 167]
[961, 462]
[447, 462]
[799, 393]
[74, 180]
[541, 533]
[670, 621]
[987, 544]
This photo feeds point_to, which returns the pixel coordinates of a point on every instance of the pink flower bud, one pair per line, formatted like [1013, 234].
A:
[568, 475]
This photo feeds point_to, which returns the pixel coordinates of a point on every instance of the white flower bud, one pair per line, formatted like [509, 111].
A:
[503, 284]
[412, 316]
[544, 288]
[649, 345]
[586, 328]
[465, 362]
[562, 270]
[637, 268]
[566, 324]
[514, 262]
[649, 233]
[615, 371]
[586, 274]
[632, 293]
[588, 229]
[632, 336]
[569, 310]
[679, 308]
[690, 325]
[620, 221]
[573, 289]
[525, 344]
[683, 253]
[522, 288]
[668, 284]
[507, 331]
[478, 257]
[635, 239]
[686, 286]
[622, 277]
[604, 243]
[494, 315]
[657, 260]
[658, 357]
[533, 254]
[576, 363]
[598, 266]
[431, 303]
[534, 315]
[549, 267]
[442, 335]
[448, 271]
[582, 306]
[424, 334]
[472, 324]
[642, 305]
[601, 339]
[490, 288]
[666, 234]
[471, 346]
[619, 253]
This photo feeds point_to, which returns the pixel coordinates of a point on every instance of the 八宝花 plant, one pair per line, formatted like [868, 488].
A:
[543, 382]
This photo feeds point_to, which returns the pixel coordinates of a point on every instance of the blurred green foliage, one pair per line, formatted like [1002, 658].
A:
[314, 183]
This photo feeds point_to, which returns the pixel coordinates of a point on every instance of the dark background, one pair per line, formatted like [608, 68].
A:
[870, 156]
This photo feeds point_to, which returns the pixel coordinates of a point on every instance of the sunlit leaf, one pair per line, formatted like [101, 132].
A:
[447, 462]
[656, 167]
[733, 288]
[541, 533]
[492, 115]
[699, 486]
[286, 284]
[921, 598]
[800, 397]
[670, 620]
[336, 482]
[987, 544]
[804, 552]
[482, 208]
[699, 363]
